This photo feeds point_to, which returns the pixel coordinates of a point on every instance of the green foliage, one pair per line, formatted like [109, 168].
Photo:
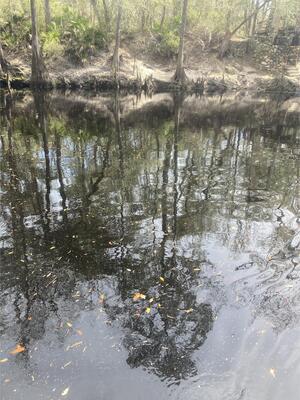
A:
[51, 39]
[72, 35]
[77, 36]
[166, 38]
[15, 33]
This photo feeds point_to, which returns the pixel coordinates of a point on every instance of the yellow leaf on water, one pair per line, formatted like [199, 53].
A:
[65, 391]
[138, 296]
[3, 360]
[148, 310]
[161, 279]
[18, 349]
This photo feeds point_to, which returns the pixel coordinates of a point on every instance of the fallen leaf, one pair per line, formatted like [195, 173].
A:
[148, 310]
[151, 300]
[3, 360]
[161, 279]
[69, 324]
[138, 296]
[65, 391]
[18, 349]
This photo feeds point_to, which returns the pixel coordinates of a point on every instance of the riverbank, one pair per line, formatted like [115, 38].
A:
[206, 74]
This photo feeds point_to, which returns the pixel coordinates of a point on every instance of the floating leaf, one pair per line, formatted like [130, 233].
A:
[138, 296]
[69, 324]
[151, 300]
[65, 391]
[161, 279]
[3, 360]
[148, 310]
[18, 349]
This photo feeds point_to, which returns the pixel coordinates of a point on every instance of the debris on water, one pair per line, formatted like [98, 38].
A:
[65, 391]
[74, 345]
[18, 349]
[139, 296]
[273, 372]
[66, 365]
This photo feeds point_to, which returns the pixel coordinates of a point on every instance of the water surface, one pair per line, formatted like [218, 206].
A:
[147, 254]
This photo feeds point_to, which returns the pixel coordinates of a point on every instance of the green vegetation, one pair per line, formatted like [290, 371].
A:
[81, 29]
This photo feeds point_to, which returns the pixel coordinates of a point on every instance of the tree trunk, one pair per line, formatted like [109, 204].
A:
[96, 11]
[4, 68]
[180, 75]
[38, 70]
[47, 13]
[3, 62]
[106, 15]
[163, 16]
[116, 58]
[224, 48]
[254, 19]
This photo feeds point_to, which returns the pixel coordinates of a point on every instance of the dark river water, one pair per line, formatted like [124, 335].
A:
[149, 249]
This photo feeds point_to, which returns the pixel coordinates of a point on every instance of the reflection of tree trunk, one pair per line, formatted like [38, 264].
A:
[164, 198]
[177, 103]
[60, 173]
[117, 118]
[41, 107]
[96, 183]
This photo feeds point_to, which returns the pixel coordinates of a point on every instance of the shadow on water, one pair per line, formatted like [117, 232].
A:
[145, 239]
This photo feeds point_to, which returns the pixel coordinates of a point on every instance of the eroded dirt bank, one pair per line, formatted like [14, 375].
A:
[206, 73]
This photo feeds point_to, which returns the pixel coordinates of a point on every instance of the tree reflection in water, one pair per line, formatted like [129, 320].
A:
[97, 206]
